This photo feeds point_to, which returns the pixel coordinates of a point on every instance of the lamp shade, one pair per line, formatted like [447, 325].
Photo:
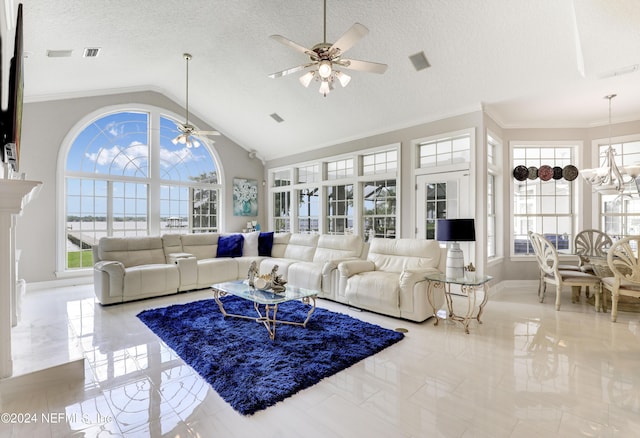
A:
[455, 230]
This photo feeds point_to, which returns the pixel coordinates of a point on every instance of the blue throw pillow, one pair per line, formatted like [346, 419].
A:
[265, 243]
[230, 246]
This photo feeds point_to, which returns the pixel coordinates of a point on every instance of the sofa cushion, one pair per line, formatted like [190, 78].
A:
[201, 245]
[132, 251]
[280, 242]
[172, 244]
[265, 244]
[377, 291]
[151, 279]
[301, 247]
[219, 270]
[396, 255]
[337, 247]
[230, 246]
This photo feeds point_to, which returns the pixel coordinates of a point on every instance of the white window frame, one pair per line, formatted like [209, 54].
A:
[460, 167]
[325, 181]
[598, 218]
[576, 147]
[494, 170]
[153, 180]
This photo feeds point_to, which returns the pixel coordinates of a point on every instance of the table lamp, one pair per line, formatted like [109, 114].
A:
[455, 231]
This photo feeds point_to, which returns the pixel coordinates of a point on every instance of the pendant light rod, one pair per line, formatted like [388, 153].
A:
[610, 96]
[325, 21]
[187, 57]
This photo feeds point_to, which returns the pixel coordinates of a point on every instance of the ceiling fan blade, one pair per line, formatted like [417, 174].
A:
[290, 70]
[206, 133]
[292, 44]
[367, 66]
[350, 37]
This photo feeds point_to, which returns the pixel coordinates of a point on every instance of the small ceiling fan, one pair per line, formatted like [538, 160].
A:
[187, 129]
[325, 57]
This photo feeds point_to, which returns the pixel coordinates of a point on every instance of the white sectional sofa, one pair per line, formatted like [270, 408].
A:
[133, 268]
[392, 278]
[389, 281]
[129, 269]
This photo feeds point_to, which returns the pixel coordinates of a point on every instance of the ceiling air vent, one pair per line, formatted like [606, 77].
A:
[419, 61]
[276, 117]
[91, 52]
[59, 53]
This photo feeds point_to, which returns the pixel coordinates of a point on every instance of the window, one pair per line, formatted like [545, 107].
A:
[309, 174]
[308, 210]
[448, 150]
[340, 169]
[282, 178]
[437, 197]
[118, 171]
[340, 209]
[380, 162]
[494, 194]
[379, 208]
[545, 207]
[281, 211]
[491, 215]
[350, 193]
[620, 214]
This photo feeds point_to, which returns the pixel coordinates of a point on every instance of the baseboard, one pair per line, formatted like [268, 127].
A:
[66, 373]
[59, 282]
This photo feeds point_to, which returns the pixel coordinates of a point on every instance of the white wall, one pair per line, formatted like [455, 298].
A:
[45, 125]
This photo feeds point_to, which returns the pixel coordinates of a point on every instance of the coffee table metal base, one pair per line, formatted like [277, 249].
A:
[269, 318]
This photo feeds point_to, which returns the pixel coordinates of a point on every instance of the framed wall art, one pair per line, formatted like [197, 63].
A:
[245, 197]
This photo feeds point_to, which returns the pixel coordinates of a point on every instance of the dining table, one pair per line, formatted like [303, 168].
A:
[601, 268]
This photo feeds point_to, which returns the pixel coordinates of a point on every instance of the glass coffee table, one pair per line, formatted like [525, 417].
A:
[266, 298]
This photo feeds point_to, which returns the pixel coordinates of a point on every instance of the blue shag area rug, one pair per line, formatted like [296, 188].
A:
[252, 372]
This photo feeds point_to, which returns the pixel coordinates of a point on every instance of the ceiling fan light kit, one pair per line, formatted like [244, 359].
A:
[325, 57]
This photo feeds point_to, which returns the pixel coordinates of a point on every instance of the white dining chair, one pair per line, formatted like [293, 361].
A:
[625, 266]
[550, 273]
[590, 243]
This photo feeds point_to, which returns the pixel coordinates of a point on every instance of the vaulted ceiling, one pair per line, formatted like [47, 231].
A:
[543, 63]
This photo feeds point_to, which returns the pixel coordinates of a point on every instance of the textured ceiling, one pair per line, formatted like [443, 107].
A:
[529, 63]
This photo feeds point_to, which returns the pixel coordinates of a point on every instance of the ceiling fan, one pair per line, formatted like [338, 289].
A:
[325, 58]
[187, 129]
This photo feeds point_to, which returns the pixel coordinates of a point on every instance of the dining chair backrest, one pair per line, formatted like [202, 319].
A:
[592, 243]
[546, 254]
[623, 259]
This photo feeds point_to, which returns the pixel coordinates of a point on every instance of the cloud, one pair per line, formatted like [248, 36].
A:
[171, 158]
[120, 157]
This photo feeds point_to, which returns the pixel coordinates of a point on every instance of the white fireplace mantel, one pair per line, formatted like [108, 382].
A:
[14, 195]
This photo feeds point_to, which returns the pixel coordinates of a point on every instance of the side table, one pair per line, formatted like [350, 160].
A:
[469, 286]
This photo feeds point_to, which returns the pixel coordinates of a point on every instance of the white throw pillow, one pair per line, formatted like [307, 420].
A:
[250, 247]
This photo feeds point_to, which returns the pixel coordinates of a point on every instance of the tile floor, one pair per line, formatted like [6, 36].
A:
[528, 371]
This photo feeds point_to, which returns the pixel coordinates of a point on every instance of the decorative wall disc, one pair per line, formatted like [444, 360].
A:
[533, 172]
[520, 173]
[557, 172]
[545, 172]
[570, 172]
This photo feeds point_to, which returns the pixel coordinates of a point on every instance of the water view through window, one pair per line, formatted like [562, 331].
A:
[118, 167]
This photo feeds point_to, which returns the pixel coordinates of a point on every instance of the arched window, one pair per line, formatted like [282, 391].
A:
[124, 176]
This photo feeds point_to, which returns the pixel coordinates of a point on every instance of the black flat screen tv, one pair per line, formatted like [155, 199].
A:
[11, 120]
[16, 92]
